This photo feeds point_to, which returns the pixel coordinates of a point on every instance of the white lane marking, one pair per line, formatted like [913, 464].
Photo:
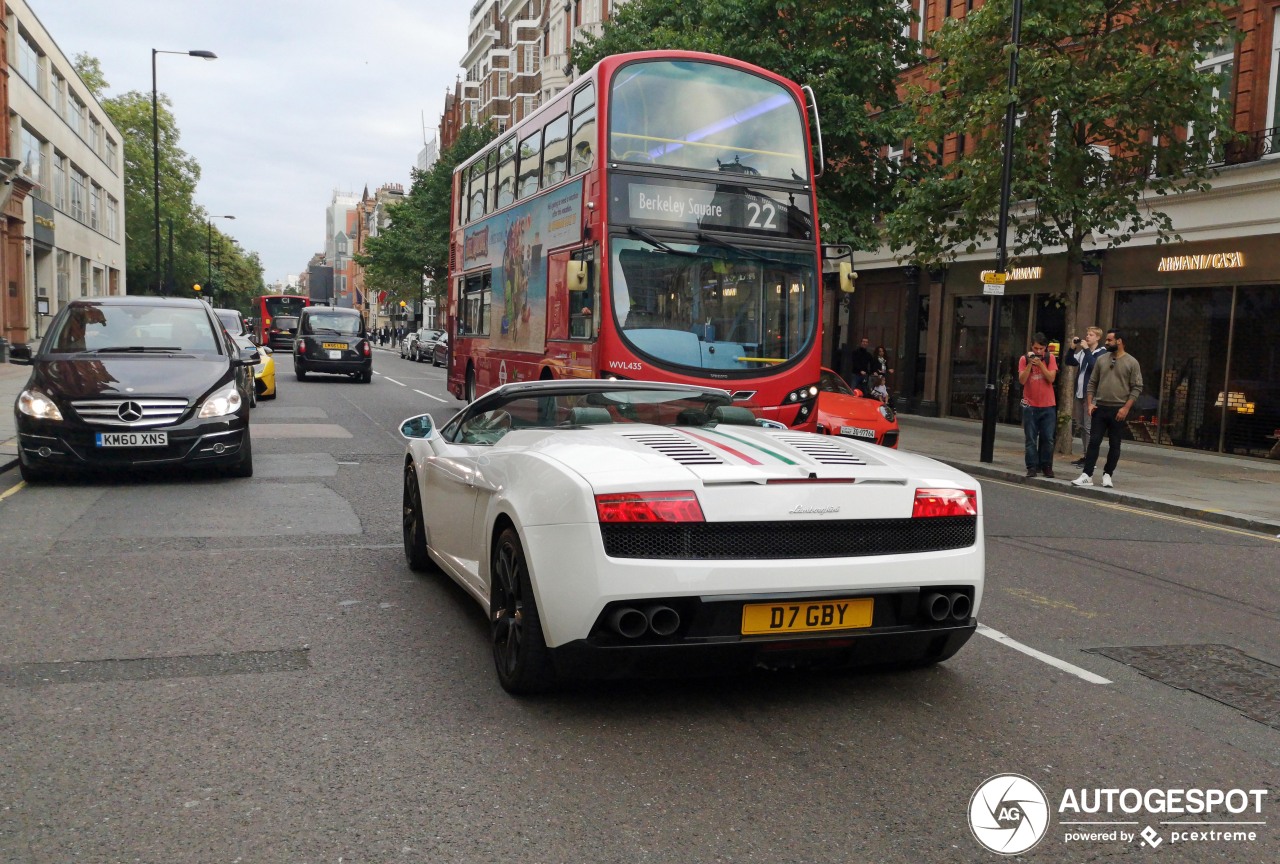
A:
[429, 396]
[1040, 655]
[394, 381]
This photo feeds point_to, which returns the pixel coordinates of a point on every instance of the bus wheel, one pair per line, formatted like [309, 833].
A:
[470, 392]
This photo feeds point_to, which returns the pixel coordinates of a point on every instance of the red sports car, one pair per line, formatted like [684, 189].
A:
[842, 412]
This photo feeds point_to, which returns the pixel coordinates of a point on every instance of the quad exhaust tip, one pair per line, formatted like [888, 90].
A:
[632, 623]
[939, 607]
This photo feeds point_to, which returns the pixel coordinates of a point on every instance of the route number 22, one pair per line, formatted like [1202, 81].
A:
[762, 216]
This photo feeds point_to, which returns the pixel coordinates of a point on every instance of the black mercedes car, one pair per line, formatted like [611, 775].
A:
[133, 382]
[332, 339]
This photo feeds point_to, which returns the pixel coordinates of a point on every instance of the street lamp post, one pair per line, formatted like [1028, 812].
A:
[208, 252]
[986, 447]
[155, 148]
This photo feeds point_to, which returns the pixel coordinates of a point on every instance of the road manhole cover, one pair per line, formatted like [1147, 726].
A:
[1220, 672]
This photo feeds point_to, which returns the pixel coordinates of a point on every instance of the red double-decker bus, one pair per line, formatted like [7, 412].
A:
[278, 319]
[656, 221]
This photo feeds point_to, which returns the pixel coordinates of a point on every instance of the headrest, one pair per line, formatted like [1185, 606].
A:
[734, 414]
[588, 415]
[692, 417]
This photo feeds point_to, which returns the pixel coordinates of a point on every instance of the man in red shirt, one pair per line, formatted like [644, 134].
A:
[1036, 373]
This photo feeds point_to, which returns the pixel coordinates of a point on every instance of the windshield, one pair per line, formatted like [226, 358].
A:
[710, 306]
[693, 114]
[283, 305]
[334, 322]
[96, 327]
[231, 320]
[830, 382]
[491, 420]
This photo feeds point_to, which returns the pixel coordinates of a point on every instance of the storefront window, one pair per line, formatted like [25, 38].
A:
[969, 356]
[1253, 396]
[1182, 390]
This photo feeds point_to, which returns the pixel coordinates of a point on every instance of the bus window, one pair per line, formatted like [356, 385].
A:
[530, 164]
[555, 157]
[477, 194]
[582, 145]
[506, 173]
[477, 296]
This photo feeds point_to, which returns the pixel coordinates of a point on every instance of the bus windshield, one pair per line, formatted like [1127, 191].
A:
[713, 305]
[694, 114]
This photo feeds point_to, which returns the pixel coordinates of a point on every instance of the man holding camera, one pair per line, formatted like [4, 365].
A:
[1036, 373]
[1083, 355]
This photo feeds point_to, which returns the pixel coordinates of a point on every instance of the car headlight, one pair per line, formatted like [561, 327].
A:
[220, 404]
[35, 404]
[887, 413]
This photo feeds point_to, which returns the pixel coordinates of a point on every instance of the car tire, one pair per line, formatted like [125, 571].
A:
[433, 360]
[244, 467]
[366, 376]
[519, 651]
[413, 524]
[300, 372]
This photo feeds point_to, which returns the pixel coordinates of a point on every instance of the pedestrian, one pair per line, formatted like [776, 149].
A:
[878, 388]
[1114, 385]
[861, 367]
[1036, 373]
[880, 364]
[1083, 356]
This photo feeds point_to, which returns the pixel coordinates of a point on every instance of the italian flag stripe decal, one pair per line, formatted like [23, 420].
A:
[772, 453]
[743, 456]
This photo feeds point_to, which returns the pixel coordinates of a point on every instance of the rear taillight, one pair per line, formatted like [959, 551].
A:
[302, 346]
[649, 507]
[364, 346]
[944, 502]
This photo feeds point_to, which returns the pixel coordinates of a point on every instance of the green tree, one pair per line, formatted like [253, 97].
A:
[415, 242]
[849, 51]
[90, 71]
[1107, 90]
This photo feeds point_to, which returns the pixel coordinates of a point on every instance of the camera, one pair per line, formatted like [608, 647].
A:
[1075, 341]
[1031, 355]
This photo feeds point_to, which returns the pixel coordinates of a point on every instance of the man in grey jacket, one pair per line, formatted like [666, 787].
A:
[1114, 385]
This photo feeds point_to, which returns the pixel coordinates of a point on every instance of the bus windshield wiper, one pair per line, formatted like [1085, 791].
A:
[658, 244]
[707, 238]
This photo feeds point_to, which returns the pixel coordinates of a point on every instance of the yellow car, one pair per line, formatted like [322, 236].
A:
[264, 372]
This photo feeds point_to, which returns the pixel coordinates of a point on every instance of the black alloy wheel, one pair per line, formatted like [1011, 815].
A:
[413, 524]
[519, 650]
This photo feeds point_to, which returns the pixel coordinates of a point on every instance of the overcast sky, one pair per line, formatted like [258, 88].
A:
[306, 97]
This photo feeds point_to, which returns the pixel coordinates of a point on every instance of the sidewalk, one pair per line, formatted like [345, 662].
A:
[1228, 490]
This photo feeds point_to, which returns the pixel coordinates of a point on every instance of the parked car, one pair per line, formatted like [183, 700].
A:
[440, 351]
[407, 343]
[333, 340]
[424, 344]
[608, 528]
[135, 382]
[841, 411]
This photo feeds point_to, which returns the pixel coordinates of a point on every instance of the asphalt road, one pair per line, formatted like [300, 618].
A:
[197, 669]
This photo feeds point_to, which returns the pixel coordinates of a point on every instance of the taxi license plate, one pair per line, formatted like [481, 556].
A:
[809, 616]
[132, 439]
[858, 432]
[341, 346]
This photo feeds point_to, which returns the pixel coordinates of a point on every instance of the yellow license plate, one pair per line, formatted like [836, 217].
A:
[808, 616]
[341, 346]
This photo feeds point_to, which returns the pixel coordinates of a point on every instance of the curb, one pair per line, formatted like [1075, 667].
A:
[1218, 517]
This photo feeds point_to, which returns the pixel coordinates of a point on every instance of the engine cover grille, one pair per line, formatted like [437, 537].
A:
[847, 538]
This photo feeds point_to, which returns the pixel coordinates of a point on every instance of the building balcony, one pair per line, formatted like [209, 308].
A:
[1256, 145]
[484, 42]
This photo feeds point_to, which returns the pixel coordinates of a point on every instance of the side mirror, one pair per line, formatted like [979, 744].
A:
[265, 350]
[847, 277]
[250, 357]
[20, 355]
[576, 275]
[421, 426]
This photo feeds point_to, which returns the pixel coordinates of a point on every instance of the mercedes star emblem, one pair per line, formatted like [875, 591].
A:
[129, 412]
